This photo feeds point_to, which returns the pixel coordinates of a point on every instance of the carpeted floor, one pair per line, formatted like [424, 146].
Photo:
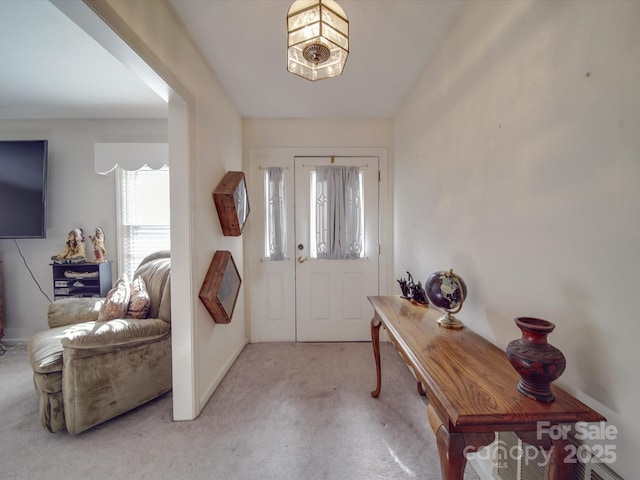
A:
[284, 411]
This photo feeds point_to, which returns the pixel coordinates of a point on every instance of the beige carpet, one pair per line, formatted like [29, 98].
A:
[284, 411]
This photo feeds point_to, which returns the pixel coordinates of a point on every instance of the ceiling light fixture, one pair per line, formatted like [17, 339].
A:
[317, 39]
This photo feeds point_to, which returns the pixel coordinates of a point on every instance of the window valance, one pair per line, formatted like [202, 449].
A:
[129, 156]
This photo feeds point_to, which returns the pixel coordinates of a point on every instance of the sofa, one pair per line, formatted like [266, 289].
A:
[88, 369]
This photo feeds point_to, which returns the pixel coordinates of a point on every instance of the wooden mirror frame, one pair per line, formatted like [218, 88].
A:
[221, 286]
[232, 203]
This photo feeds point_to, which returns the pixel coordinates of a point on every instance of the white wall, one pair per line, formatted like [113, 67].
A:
[518, 164]
[202, 351]
[259, 133]
[76, 197]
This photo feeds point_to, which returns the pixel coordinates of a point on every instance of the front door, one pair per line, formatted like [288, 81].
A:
[336, 247]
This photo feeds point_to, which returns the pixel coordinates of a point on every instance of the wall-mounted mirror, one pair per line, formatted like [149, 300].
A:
[232, 203]
[221, 286]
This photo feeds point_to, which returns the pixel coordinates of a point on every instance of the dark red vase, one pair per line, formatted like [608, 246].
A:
[537, 362]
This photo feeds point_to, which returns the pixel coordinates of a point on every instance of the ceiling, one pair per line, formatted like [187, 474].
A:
[50, 68]
[58, 71]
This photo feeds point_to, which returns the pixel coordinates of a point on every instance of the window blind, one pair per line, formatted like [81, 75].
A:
[144, 220]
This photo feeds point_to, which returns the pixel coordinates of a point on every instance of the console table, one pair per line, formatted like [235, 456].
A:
[471, 387]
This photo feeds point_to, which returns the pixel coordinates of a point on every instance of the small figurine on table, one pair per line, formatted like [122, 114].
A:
[406, 292]
[98, 245]
[418, 294]
[74, 250]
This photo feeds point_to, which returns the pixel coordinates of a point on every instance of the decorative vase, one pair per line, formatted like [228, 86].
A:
[537, 362]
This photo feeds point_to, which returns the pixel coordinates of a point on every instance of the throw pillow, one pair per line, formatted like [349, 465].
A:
[117, 301]
[139, 302]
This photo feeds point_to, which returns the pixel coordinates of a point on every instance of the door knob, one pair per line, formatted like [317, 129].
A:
[302, 259]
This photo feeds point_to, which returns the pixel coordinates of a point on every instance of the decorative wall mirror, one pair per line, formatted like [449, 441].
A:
[220, 288]
[232, 203]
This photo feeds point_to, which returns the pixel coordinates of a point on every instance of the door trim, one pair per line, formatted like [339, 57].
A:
[253, 234]
[331, 305]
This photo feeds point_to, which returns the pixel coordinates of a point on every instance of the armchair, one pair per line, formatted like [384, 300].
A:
[87, 371]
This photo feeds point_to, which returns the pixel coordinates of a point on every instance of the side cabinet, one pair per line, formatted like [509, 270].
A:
[81, 279]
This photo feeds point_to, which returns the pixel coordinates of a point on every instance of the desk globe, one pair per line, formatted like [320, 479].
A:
[447, 290]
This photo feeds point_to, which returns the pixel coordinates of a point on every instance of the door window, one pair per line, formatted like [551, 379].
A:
[336, 213]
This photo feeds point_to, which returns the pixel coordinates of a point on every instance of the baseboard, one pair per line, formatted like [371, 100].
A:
[11, 343]
[207, 395]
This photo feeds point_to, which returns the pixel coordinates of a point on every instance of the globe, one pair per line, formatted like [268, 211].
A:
[447, 290]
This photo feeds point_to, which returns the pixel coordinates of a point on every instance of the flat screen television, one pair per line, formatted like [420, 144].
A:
[23, 188]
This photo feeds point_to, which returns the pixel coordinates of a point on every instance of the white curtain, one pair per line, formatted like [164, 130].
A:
[276, 220]
[338, 212]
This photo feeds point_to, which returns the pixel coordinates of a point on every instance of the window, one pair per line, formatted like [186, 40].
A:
[336, 216]
[143, 215]
[275, 216]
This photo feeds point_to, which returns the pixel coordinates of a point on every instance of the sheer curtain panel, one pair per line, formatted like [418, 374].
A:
[338, 215]
[276, 225]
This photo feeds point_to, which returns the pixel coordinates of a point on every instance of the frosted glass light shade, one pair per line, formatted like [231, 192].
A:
[317, 39]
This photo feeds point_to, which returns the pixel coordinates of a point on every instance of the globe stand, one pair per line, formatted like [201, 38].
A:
[447, 291]
[449, 321]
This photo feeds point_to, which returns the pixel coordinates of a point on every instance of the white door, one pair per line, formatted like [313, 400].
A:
[331, 294]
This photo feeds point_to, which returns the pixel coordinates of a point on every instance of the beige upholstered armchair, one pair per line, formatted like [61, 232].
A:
[88, 368]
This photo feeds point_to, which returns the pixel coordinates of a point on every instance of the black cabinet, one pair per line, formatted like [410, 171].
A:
[81, 279]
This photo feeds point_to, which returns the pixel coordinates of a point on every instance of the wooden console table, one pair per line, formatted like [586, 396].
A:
[471, 387]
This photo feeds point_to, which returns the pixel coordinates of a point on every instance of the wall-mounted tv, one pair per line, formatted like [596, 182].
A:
[23, 188]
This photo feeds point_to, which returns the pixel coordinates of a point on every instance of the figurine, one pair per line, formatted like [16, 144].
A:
[418, 294]
[74, 250]
[406, 292]
[98, 245]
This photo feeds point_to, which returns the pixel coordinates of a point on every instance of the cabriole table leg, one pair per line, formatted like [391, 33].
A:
[375, 341]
